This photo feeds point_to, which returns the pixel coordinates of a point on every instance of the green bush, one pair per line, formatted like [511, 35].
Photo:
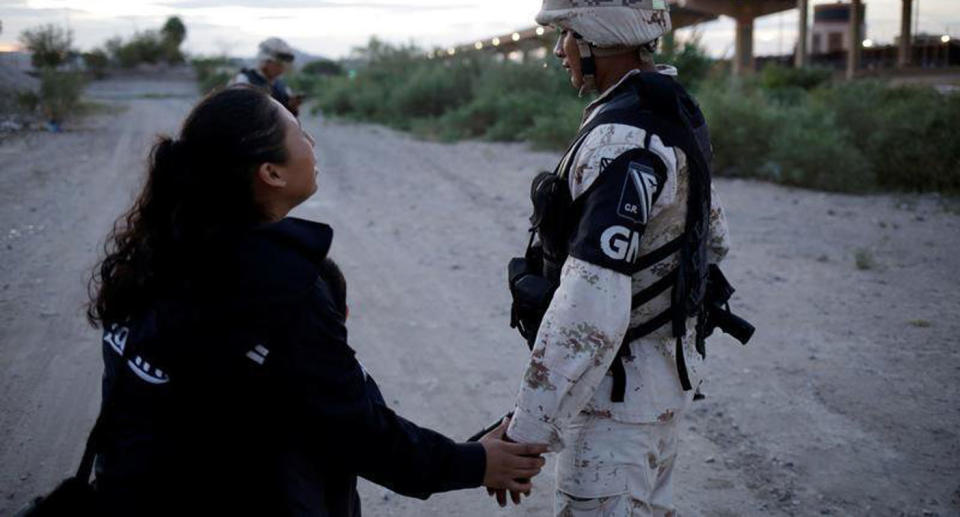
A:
[150, 46]
[28, 101]
[785, 125]
[60, 94]
[429, 91]
[918, 147]
[692, 62]
[906, 133]
[143, 47]
[172, 35]
[333, 95]
[49, 45]
[477, 97]
[96, 62]
[557, 127]
[754, 135]
[741, 123]
[852, 136]
[322, 67]
[808, 149]
[213, 72]
[775, 76]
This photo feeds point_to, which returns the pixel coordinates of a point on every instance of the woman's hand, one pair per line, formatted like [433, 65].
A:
[510, 465]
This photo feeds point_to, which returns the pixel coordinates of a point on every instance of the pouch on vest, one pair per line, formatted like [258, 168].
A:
[534, 277]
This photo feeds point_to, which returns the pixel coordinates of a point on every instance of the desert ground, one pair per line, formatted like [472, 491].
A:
[846, 402]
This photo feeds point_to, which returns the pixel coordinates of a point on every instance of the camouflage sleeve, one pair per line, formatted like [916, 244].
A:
[719, 244]
[576, 344]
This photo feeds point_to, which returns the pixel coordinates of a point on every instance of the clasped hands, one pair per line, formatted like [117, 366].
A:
[510, 466]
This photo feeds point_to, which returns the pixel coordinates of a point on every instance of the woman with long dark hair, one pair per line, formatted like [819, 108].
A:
[229, 385]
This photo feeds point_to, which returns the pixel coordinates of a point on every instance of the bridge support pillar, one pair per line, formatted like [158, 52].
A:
[906, 24]
[743, 62]
[856, 39]
[800, 56]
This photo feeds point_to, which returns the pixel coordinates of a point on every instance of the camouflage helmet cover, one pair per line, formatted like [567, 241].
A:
[609, 23]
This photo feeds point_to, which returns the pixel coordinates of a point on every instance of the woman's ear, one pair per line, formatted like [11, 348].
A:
[270, 176]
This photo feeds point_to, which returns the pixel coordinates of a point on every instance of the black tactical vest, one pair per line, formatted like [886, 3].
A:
[277, 90]
[659, 105]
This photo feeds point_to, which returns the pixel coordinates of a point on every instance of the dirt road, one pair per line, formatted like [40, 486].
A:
[845, 403]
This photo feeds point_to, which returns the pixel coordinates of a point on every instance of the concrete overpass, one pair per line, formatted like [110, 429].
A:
[534, 38]
[691, 12]
[746, 11]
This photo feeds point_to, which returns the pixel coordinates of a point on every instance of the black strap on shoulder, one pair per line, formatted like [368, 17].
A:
[255, 78]
[674, 128]
[673, 125]
[605, 115]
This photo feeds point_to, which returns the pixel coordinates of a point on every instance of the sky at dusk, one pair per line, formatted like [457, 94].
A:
[332, 27]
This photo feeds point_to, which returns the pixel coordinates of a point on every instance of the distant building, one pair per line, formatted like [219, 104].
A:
[831, 28]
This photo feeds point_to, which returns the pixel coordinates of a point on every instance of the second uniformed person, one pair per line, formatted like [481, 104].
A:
[274, 58]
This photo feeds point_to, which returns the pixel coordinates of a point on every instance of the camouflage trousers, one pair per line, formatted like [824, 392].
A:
[617, 469]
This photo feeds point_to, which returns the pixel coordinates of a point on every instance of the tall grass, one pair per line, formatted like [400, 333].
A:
[475, 97]
[858, 136]
[796, 127]
[214, 72]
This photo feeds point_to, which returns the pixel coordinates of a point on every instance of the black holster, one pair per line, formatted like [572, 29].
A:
[534, 277]
[531, 293]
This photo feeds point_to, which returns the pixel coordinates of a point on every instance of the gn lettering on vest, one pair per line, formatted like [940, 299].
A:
[619, 243]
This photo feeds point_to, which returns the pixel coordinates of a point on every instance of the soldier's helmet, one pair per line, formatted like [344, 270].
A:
[609, 23]
[275, 49]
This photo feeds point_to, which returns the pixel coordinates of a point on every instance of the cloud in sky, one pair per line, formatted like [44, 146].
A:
[333, 27]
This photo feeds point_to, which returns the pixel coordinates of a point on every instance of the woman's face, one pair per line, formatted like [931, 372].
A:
[568, 52]
[300, 170]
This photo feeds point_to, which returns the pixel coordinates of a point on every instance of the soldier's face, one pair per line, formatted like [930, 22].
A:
[273, 69]
[567, 51]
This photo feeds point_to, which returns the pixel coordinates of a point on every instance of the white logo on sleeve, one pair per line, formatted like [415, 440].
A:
[636, 198]
[258, 354]
[619, 243]
[116, 337]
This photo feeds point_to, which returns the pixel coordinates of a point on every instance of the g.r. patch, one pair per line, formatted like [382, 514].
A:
[636, 197]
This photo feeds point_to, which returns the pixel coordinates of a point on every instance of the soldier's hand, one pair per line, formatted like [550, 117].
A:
[510, 465]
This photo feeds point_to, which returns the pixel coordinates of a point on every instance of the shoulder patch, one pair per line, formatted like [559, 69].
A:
[604, 163]
[636, 198]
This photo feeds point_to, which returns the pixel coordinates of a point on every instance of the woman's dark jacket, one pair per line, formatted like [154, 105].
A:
[241, 395]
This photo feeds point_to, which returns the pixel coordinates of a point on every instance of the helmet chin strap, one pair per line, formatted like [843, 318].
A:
[588, 67]
[588, 62]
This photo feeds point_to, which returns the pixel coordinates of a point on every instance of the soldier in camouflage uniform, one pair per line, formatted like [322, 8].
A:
[274, 58]
[615, 458]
